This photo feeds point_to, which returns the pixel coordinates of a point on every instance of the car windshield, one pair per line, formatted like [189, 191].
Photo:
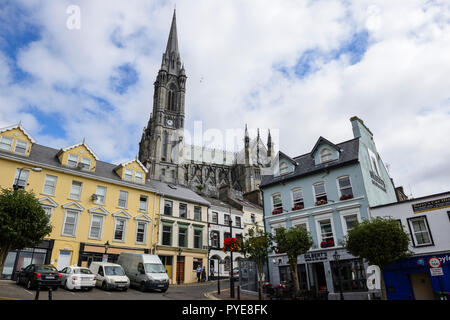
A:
[48, 268]
[154, 268]
[113, 271]
[82, 271]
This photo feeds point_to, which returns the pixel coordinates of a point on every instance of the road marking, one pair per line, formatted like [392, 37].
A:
[7, 298]
[28, 291]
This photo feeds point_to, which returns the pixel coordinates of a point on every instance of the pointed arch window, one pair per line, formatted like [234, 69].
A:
[172, 97]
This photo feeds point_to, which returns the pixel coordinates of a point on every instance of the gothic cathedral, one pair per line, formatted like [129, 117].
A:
[162, 149]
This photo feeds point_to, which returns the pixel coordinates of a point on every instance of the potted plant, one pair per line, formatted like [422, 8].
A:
[330, 243]
[323, 244]
[231, 244]
[298, 206]
[277, 211]
[346, 197]
[321, 202]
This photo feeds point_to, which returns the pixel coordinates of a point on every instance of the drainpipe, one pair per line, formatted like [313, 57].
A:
[153, 222]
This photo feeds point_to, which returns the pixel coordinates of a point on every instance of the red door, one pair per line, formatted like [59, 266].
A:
[180, 270]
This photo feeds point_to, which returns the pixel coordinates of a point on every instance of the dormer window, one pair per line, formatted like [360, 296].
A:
[139, 177]
[21, 147]
[128, 175]
[86, 163]
[284, 168]
[326, 155]
[72, 160]
[6, 143]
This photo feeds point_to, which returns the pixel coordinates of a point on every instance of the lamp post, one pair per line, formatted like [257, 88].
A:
[105, 256]
[178, 265]
[336, 258]
[16, 182]
[230, 222]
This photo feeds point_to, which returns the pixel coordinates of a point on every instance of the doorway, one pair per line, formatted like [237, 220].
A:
[64, 259]
[318, 280]
[421, 285]
[180, 269]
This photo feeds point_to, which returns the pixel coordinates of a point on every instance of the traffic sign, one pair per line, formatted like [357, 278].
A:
[434, 262]
[436, 272]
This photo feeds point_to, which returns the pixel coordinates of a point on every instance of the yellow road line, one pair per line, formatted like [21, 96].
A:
[7, 298]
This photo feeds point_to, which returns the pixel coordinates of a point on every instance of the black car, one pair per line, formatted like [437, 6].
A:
[46, 275]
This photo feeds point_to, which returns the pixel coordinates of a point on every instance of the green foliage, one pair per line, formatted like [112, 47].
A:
[381, 241]
[293, 242]
[257, 246]
[23, 222]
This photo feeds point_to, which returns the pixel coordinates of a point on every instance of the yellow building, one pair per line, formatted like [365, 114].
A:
[90, 202]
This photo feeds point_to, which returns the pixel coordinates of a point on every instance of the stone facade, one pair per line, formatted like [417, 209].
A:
[163, 151]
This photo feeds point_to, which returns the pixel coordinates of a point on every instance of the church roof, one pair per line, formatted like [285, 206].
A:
[172, 43]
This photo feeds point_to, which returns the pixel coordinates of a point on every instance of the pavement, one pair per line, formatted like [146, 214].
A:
[9, 290]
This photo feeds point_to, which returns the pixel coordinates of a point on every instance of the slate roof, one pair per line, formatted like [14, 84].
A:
[306, 165]
[48, 156]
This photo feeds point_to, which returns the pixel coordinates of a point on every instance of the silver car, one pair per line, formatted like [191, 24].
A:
[77, 278]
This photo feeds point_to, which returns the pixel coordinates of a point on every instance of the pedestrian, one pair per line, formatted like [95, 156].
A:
[199, 273]
[211, 270]
[203, 274]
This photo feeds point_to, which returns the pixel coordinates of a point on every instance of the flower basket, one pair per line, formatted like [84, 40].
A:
[231, 244]
[298, 207]
[321, 202]
[346, 197]
[323, 244]
[277, 211]
[330, 243]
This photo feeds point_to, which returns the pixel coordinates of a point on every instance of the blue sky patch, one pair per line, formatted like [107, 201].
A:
[16, 33]
[126, 77]
[51, 123]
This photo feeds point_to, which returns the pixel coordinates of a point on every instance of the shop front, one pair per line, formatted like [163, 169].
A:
[103, 253]
[415, 279]
[323, 274]
[18, 259]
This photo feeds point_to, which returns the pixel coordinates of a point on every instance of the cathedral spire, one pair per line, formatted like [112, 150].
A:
[172, 43]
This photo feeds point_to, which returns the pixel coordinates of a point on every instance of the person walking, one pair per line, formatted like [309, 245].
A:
[211, 270]
[199, 273]
[203, 274]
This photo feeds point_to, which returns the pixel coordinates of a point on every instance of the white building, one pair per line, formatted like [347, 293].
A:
[219, 215]
[427, 222]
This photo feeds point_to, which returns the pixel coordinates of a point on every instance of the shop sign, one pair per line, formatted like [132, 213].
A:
[436, 272]
[431, 205]
[316, 256]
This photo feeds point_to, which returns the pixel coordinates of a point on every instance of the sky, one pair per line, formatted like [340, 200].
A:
[300, 68]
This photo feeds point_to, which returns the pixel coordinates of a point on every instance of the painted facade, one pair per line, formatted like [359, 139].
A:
[326, 191]
[427, 222]
[182, 233]
[89, 201]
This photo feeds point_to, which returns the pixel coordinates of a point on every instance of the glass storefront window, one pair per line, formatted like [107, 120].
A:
[8, 268]
[353, 276]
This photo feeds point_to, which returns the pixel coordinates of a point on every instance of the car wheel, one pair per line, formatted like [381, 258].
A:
[66, 286]
[18, 280]
[89, 288]
[104, 286]
[142, 287]
[164, 290]
[125, 289]
[29, 284]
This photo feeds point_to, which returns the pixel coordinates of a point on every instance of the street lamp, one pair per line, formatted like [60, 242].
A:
[230, 222]
[336, 257]
[106, 247]
[16, 183]
[178, 266]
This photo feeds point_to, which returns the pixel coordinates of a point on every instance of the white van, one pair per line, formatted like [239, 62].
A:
[109, 276]
[144, 270]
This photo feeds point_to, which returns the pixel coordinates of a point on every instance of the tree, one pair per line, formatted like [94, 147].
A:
[294, 242]
[256, 247]
[381, 241]
[23, 222]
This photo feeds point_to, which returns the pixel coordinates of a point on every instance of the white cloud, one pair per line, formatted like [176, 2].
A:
[231, 50]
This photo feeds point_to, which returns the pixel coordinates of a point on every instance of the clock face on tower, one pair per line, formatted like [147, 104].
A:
[169, 122]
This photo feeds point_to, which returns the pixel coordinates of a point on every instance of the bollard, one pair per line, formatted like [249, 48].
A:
[239, 292]
[38, 288]
[49, 293]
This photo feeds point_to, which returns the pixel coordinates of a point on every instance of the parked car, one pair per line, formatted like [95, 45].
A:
[77, 278]
[44, 275]
[236, 273]
[109, 276]
[144, 270]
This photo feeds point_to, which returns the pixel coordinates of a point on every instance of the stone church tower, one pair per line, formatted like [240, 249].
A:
[161, 146]
[162, 149]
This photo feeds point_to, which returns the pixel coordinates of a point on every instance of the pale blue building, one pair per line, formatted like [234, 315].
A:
[326, 191]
